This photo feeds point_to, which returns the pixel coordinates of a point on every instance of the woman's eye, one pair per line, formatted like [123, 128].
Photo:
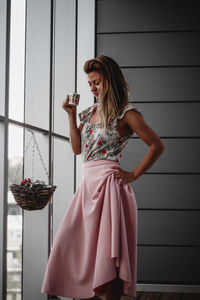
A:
[96, 83]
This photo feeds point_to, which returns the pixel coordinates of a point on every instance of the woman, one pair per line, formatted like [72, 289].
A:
[94, 252]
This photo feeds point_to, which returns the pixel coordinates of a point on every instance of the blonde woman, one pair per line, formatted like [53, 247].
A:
[94, 253]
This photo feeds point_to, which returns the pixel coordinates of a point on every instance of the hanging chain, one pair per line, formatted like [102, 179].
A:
[33, 155]
[40, 155]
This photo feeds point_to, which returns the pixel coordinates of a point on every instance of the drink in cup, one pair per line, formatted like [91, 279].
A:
[74, 99]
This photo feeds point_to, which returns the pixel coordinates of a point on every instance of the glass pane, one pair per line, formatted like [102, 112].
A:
[1, 202]
[63, 177]
[65, 18]
[35, 223]
[17, 50]
[2, 55]
[37, 76]
[14, 214]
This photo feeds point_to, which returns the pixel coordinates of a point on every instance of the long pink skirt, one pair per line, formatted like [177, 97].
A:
[96, 238]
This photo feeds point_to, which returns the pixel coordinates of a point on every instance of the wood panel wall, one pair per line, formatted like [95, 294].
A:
[157, 46]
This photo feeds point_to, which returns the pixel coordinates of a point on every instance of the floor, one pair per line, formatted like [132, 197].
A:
[159, 296]
[166, 296]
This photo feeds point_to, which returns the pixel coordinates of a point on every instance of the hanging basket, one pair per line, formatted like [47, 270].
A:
[32, 195]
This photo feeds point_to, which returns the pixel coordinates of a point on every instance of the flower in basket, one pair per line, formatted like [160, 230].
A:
[26, 182]
[38, 184]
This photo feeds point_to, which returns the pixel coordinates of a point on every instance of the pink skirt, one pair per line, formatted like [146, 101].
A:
[96, 238]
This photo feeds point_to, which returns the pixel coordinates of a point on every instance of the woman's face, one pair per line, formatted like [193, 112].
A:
[95, 81]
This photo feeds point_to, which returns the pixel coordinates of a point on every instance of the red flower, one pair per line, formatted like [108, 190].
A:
[120, 155]
[99, 142]
[25, 180]
[119, 140]
[89, 155]
[83, 116]
[91, 131]
[103, 151]
[86, 146]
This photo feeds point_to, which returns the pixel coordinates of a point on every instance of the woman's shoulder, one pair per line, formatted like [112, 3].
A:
[129, 106]
[85, 113]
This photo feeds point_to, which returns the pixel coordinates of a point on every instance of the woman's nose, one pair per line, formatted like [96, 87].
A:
[93, 88]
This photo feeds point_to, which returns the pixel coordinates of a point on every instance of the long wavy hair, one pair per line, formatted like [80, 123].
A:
[113, 97]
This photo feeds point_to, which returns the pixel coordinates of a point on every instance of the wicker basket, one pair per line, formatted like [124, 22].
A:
[32, 197]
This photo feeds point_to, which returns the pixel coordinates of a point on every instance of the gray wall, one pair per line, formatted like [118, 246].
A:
[157, 46]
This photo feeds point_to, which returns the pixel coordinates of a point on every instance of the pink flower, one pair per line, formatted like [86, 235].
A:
[83, 116]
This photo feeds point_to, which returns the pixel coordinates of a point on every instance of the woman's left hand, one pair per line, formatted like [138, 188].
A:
[125, 176]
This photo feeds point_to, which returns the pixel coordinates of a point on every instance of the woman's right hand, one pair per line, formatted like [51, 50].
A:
[70, 109]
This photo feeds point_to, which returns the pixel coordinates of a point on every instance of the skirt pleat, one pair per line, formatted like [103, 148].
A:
[97, 235]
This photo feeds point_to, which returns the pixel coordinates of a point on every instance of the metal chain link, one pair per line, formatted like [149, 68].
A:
[40, 155]
[33, 155]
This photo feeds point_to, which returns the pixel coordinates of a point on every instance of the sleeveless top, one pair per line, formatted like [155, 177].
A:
[98, 145]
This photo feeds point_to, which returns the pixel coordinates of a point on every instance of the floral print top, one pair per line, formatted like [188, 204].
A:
[98, 145]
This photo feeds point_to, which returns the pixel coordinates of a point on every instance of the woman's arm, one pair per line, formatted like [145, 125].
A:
[75, 134]
[137, 123]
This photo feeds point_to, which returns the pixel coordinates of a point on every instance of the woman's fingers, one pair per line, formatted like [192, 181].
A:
[66, 106]
[116, 174]
[119, 176]
[66, 101]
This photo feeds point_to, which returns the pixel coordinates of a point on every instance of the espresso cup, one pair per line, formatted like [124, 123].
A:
[74, 99]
